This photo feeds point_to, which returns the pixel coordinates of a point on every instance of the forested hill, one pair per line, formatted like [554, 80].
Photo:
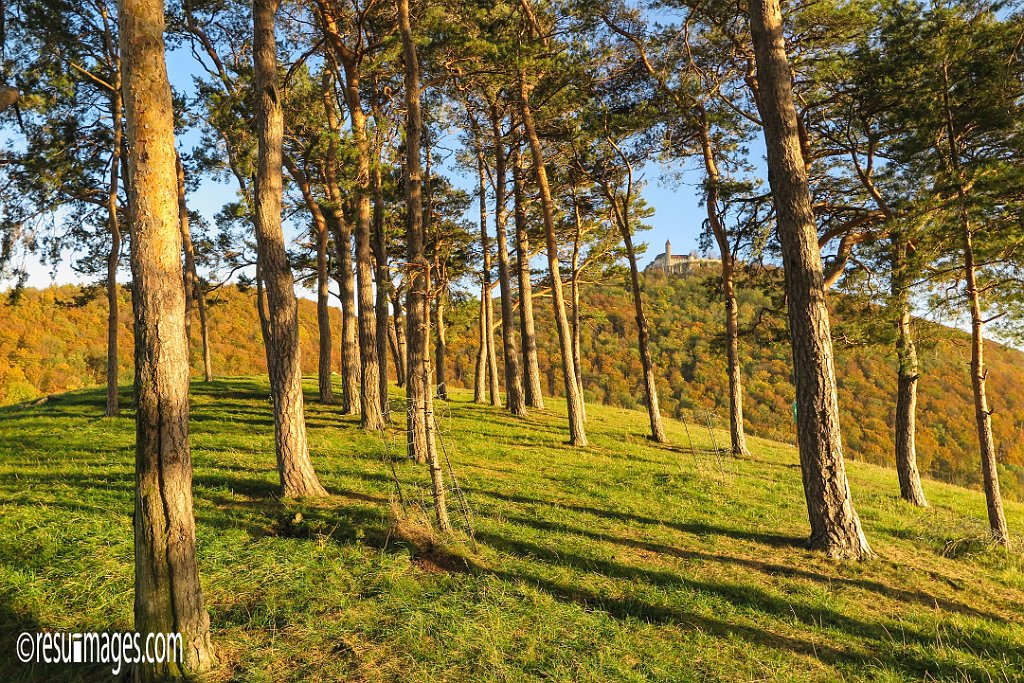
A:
[49, 345]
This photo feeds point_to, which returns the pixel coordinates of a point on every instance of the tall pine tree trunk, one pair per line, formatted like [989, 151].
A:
[573, 397]
[493, 387]
[622, 216]
[294, 465]
[383, 286]
[193, 287]
[574, 294]
[835, 527]
[480, 378]
[737, 435]
[982, 412]
[323, 311]
[113, 407]
[441, 349]
[372, 417]
[510, 354]
[422, 447]
[527, 330]
[342, 232]
[906, 383]
[168, 596]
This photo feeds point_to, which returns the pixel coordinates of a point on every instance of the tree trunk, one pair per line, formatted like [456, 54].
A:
[510, 354]
[342, 233]
[906, 391]
[573, 397]
[193, 287]
[323, 311]
[383, 287]
[737, 435]
[168, 596]
[372, 417]
[441, 350]
[294, 465]
[422, 447]
[480, 379]
[643, 338]
[113, 407]
[400, 347]
[531, 368]
[982, 412]
[488, 299]
[190, 260]
[204, 330]
[835, 527]
[574, 294]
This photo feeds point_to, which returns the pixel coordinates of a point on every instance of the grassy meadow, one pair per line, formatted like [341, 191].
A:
[624, 561]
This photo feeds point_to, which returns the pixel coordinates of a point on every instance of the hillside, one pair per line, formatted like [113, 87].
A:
[47, 347]
[621, 561]
[685, 318]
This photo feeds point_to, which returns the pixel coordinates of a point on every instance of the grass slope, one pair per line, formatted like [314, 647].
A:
[622, 561]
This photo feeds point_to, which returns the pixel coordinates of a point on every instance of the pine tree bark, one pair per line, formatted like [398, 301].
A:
[514, 394]
[835, 527]
[384, 285]
[113, 407]
[620, 210]
[480, 378]
[441, 348]
[285, 367]
[982, 412]
[194, 295]
[168, 596]
[418, 381]
[323, 311]
[573, 397]
[527, 329]
[574, 294]
[371, 415]
[493, 388]
[422, 446]
[400, 347]
[979, 373]
[341, 231]
[737, 434]
[906, 383]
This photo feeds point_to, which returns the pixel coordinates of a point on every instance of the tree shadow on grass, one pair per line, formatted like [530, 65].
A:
[695, 528]
[768, 568]
[882, 645]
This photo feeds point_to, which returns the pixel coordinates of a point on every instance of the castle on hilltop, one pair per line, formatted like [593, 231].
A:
[677, 264]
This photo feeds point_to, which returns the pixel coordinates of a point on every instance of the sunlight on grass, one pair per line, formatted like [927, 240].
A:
[622, 561]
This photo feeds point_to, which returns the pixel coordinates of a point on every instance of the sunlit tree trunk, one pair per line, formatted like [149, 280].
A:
[113, 407]
[835, 527]
[982, 412]
[514, 394]
[573, 397]
[168, 596]
[342, 233]
[285, 367]
[713, 181]
[488, 300]
[527, 332]
[323, 311]
[383, 286]
[480, 378]
[422, 446]
[906, 383]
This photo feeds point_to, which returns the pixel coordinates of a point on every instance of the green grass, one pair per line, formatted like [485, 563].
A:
[622, 561]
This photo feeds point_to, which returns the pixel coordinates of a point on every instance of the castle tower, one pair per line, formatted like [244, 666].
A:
[668, 256]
